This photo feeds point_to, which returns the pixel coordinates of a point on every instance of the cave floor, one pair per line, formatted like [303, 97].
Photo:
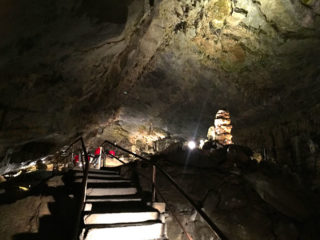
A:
[37, 206]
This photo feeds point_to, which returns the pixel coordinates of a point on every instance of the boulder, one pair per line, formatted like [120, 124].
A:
[2, 179]
[284, 196]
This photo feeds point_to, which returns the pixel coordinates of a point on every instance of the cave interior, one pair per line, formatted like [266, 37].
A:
[224, 95]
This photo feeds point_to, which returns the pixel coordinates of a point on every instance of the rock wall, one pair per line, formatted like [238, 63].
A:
[44, 211]
[245, 203]
[108, 69]
[293, 142]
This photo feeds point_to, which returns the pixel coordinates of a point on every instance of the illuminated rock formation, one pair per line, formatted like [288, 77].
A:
[75, 67]
[223, 127]
[211, 135]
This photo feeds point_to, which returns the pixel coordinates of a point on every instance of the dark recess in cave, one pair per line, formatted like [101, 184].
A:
[110, 11]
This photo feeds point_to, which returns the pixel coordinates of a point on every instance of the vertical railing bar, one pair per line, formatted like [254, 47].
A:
[213, 227]
[169, 208]
[154, 175]
[86, 172]
[82, 162]
[175, 216]
[72, 154]
[85, 164]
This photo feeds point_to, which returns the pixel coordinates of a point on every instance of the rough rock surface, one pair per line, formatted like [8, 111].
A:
[247, 202]
[223, 127]
[108, 68]
[44, 212]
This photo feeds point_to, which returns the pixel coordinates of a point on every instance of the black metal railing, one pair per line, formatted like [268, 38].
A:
[85, 167]
[213, 227]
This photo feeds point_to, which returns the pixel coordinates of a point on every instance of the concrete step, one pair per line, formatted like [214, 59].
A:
[110, 199]
[111, 191]
[116, 207]
[120, 217]
[94, 180]
[117, 169]
[108, 207]
[110, 185]
[93, 170]
[133, 231]
[100, 175]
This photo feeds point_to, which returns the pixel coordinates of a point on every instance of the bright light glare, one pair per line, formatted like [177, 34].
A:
[191, 145]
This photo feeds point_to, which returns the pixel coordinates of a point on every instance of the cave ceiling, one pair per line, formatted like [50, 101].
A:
[110, 68]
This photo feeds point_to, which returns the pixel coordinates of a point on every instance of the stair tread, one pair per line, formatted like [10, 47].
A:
[117, 211]
[114, 198]
[115, 207]
[111, 168]
[110, 185]
[111, 191]
[95, 200]
[120, 217]
[104, 180]
[92, 170]
[124, 224]
[80, 174]
[102, 177]
[148, 230]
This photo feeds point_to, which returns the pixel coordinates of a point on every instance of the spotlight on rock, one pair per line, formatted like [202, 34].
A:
[191, 145]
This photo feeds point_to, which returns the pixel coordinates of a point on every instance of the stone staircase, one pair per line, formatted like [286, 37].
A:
[115, 210]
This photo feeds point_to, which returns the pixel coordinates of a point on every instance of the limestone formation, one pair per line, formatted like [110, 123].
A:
[105, 69]
[223, 127]
[255, 204]
[211, 135]
[2, 179]
[76, 66]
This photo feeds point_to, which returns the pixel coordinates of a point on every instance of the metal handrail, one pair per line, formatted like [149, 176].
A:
[216, 231]
[83, 185]
[188, 236]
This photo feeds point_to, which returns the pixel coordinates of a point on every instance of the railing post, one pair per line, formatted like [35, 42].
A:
[99, 159]
[154, 178]
[81, 158]
[85, 165]
[72, 156]
[86, 171]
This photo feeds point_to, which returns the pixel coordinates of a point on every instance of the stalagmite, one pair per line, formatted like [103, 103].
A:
[223, 127]
[211, 135]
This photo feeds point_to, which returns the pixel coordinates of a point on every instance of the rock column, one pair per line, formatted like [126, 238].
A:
[223, 127]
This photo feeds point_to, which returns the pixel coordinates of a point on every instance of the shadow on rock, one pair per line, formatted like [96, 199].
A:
[55, 219]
